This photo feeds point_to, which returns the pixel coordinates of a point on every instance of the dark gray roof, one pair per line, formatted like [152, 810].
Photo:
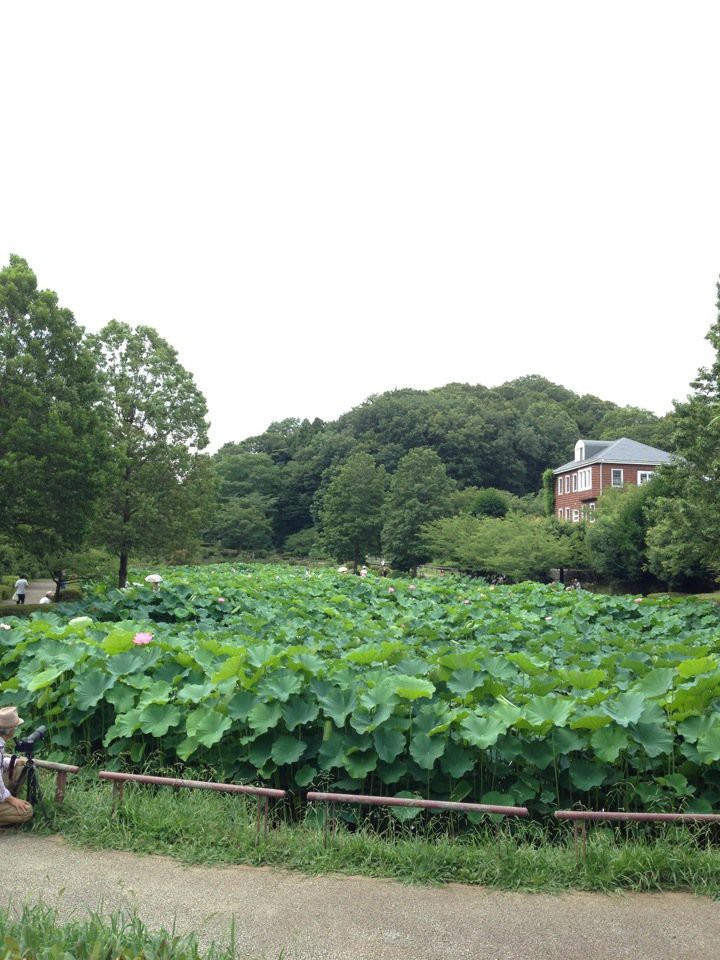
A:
[617, 451]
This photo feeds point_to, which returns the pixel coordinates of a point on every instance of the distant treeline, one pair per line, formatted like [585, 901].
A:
[270, 486]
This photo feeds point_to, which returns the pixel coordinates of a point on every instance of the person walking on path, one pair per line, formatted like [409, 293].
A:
[21, 586]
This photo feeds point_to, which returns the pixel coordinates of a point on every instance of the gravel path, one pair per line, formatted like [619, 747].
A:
[355, 918]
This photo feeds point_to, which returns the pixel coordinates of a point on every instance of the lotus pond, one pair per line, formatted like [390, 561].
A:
[446, 688]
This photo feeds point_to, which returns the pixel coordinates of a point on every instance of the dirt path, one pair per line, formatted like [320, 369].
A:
[354, 918]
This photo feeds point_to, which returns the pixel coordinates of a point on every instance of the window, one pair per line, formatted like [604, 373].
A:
[644, 476]
[576, 516]
[616, 478]
[591, 512]
[567, 483]
[585, 479]
[574, 482]
[560, 513]
[567, 513]
[560, 484]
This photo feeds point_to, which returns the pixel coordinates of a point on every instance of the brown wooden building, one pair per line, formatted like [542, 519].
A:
[600, 465]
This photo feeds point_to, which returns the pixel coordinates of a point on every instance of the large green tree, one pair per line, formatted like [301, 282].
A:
[350, 515]
[161, 487]
[53, 438]
[420, 491]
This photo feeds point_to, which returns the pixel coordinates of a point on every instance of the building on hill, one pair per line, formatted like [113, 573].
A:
[599, 465]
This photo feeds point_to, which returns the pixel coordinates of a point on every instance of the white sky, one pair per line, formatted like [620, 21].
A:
[318, 201]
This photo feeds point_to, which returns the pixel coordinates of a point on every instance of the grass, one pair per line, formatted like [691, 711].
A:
[206, 828]
[36, 932]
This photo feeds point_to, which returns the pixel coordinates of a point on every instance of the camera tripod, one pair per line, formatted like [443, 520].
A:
[28, 775]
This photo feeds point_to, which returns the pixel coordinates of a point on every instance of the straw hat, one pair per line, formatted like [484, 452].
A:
[9, 718]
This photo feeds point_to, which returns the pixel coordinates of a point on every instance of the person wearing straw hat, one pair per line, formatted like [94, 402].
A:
[12, 809]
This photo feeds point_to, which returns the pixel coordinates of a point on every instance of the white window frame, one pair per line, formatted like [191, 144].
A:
[567, 483]
[561, 513]
[576, 515]
[585, 479]
[567, 513]
[574, 482]
[644, 476]
[591, 513]
[613, 471]
[560, 485]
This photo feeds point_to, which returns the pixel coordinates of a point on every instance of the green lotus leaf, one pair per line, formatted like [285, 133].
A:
[132, 661]
[587, 775]
[279, 685]
[464, 681]
[263, 654]
[305, 775]
[44, 679]
[405, 814]
[548, 711]
[426, 750]
[233, 667]
[695, 727]
[332, 751]
[389, 743]
[119, 641]
[532, 667]
[264, 716]
[456, 760]
[608, 742]
[241, 704]
[360, 764]
[708, 745]
[392, 772]
[656, 683]
[125, 726]
[157, 718]
[654, 739]
[158, 692]
[260, 750]
[412, 688]
[567, 740]
[627, 708]
[90, 688]
[583, 679]
[287, 749]
[380, 695]
[590, 721]
[538, 752]
[364, 720]
[482, 732]
[692, 668]
[299, 710]
[207, 725]
[195, 692]
[121, 697]
[337, 704]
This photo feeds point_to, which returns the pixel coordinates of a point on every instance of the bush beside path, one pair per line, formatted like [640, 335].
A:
[355, 918]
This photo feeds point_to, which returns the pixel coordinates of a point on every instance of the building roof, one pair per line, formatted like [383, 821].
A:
[617, 451]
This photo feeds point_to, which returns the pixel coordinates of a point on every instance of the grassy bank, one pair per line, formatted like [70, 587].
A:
[204, 828]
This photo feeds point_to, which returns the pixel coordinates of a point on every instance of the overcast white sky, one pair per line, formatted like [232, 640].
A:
[314, 202]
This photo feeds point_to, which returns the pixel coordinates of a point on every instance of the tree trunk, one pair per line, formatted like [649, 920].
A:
[122, 575]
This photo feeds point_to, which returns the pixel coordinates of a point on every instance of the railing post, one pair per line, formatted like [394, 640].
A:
[60, 782]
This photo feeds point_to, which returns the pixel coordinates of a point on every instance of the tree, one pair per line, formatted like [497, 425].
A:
[491, 503]
[350, 515]
[161, 486]
[684, 540]
[420, 491]
[616, 540]
[520, 547]
[52, 425]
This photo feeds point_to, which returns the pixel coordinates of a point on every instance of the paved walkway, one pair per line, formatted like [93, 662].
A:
[355, 918]
[35, 590]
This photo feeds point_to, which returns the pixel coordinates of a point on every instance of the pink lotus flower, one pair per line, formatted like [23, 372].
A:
[221, 599]
[411, 587]
[548, 619]
[391, 589]
[466, 601]
[638, 600]
[142, 638]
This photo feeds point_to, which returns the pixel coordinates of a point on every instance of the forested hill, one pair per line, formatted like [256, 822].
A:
[502, 437]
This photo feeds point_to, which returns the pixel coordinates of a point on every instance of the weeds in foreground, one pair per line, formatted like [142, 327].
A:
[207, 828]
[36, 932]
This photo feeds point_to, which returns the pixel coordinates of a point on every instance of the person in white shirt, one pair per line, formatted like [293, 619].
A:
[12, 809]
[21, 586]
[48, 598]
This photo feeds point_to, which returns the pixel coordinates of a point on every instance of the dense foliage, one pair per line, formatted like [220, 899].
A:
[450, 688]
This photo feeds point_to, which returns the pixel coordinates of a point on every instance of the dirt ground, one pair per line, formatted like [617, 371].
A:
[356, 918]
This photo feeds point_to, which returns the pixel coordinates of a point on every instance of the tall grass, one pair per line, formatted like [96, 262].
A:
[36, 932]
[209, 828]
